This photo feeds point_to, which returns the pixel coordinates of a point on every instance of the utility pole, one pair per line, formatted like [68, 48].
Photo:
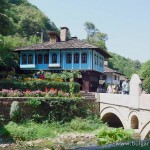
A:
[41, 35]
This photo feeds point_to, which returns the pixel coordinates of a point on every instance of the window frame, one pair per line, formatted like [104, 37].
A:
[30, 59]
[115, 77]
[54, 58]
[39, 59]
[24, 60]
[76, 58]
[46, 59]
[84, 58]
[68, 58]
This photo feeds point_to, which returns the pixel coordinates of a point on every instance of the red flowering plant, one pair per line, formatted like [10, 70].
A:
[62, 94]
[36, 93]
[10, 93]
[51, 92]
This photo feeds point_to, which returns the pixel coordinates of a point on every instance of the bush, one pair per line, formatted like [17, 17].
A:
[64, 109]
[15, 112]
[80, 124]
[112, 135]
[38, 85]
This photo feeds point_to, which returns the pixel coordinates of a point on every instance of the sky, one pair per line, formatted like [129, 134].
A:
[126, 22]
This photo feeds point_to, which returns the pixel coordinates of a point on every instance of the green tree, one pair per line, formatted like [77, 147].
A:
[145, 70]
[90, 29]
[9, 59]
[137, 64]
[94, 36]
[122, 64]
[17, 2]
[99, 39]
[145, 73]
[6, 22]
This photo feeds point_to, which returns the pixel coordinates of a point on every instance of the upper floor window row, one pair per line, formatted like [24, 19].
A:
[27, 59]
[76, 58]
[41, 57]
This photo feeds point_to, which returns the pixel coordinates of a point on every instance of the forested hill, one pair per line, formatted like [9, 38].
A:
[22, 21]
[124, 65]
[19, 16]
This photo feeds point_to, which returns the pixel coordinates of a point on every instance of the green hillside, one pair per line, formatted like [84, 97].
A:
[19, 16]
[19, 23]
[124, 65]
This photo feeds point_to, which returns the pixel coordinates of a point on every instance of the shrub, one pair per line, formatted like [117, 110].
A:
[111, 135]
[64, 109]
[15, 112]
[34, 102]
[38, 85]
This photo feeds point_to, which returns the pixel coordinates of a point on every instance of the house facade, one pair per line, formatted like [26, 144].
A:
[61, 54]
[112, 76]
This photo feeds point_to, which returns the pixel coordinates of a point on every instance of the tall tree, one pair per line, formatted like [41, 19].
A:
[99, 39]
[5, 21]
[94, 36]
[90, 29]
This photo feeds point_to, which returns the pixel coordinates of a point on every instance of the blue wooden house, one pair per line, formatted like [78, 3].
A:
[62, 54]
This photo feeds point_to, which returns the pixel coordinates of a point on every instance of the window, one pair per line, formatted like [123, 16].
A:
[95, 59]
[30, 59]
[84, 58]
[68, 58]
[54, 58]
[76, 58]
[100, 62]
[115, 77]
[24, 59]
[39, 59]
[46, 59]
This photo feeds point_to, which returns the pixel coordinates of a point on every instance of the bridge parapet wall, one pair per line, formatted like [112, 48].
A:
[144, 102]
[133, 110]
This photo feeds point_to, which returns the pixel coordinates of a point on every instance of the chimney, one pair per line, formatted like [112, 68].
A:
[106, 63]
[53, 37]
[63, 33]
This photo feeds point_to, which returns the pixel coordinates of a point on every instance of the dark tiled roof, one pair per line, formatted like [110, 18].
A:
[109, 70]
[71, 44]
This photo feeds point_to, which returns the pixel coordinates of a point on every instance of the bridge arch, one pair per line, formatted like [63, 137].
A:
[133, 120]
[113, 117]
[145, 132]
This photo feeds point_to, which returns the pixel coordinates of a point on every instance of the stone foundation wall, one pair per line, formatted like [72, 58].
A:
[27, 110]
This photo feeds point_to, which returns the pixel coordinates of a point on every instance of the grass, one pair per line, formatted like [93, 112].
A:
[29, 130]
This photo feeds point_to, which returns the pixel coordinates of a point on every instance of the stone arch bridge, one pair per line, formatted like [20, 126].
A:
[127, 111]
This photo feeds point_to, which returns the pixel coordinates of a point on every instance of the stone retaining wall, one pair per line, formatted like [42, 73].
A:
[27, 110]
